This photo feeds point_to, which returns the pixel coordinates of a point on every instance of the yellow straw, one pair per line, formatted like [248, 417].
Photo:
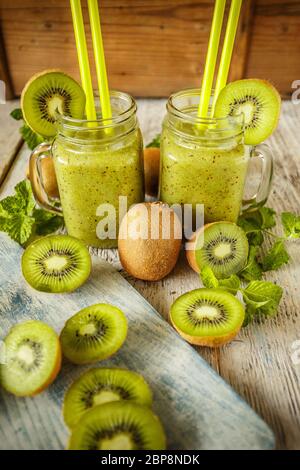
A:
[99, 58]
[83, 59]
[211, 58]
[225, 60]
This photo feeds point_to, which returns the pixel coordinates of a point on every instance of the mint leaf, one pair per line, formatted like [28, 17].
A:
[268, 217]
[251, 223]
[251, 309]
[263, 296]
[231, 284]
[291, 224]
[208, 278]
[276, 257]
[155, 142]
[20, 219]
[20, 227]
[253, 270]
[47, 222]
[17, 114]
[31, 138]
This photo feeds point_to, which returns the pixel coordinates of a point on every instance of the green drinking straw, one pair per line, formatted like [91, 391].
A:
[211, 58]
[83, 59]
[225, 60]
[99, 59]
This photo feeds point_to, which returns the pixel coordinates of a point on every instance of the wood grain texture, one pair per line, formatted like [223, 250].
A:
[10, 138]
[197, 408]
[147, 42]
[258, 364]
[4, 70]
[274, 49]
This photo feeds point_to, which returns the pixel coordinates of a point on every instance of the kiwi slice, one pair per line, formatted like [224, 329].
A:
[207, 317]
[120, 425]
[56, 264]
[258, 100]
[48, 94]
[32, 358]
[225, 249]
[93, 334]
[99, 386]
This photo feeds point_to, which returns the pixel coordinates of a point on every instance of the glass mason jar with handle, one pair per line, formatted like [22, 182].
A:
[95, 163]
[205, 161]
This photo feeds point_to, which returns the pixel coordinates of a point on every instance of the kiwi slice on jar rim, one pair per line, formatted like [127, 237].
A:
[104, 385]
[32, 358]
[207, 317]
[258, 100]
[223, 246]
[56, 264]
[48, 94]
[121, 425]
[93, 334]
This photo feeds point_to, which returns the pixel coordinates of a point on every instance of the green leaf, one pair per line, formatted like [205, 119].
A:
[276, 257]
[155, 142]
[19, 227]
[17, 114]
[251, 309]
[31, 138]
[231, 284]
[251, 223]
[291, 224]
[253, 270]
[268, 217]
[263, 296]
[47, 222]
[25, 196]
[208, 278]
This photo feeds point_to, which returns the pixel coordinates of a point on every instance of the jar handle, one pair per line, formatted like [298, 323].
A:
[38, 187]
[260, 197]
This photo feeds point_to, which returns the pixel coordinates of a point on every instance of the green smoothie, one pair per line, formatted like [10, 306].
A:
[90, 174]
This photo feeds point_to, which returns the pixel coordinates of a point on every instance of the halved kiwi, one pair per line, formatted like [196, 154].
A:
[258, 100]
[56, 264]
[93, 334]
[223, 246]
[207, 317]
[32, 358]
[48, 94]
[121, 425]
[100, 386]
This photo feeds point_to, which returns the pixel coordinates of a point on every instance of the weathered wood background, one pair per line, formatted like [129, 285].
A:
[153, 47]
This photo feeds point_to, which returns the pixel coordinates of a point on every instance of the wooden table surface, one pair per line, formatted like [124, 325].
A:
[261, 363]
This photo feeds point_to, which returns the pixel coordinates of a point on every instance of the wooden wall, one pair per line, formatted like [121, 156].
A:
[153, 47]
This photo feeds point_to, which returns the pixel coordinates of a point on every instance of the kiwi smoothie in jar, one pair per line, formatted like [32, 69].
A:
[95, 164]
[202, 162]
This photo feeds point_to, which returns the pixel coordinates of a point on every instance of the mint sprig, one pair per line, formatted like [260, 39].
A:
[256, 226]
[22, 220]
[31, 138]
[261, 298]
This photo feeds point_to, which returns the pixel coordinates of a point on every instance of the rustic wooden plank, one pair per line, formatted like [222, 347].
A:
[146, 42]
[274, 51]
[258, 363]
[10, 138]
[4, 71]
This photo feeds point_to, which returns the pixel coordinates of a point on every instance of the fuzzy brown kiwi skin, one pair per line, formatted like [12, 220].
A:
[148, 260]
[207, 341]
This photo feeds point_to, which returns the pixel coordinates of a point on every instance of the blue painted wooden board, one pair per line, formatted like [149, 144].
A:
[197, 408]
